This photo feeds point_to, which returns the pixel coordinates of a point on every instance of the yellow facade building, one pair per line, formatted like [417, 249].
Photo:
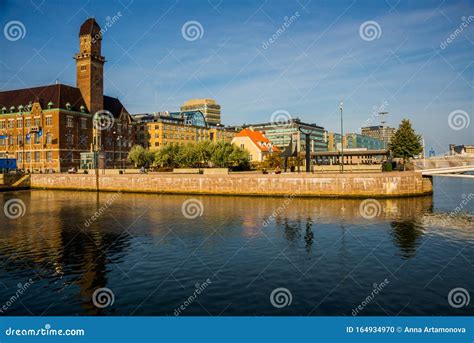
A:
[165, 128]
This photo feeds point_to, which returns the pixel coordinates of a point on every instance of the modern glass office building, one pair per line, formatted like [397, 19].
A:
[281, 133]
[357, 141]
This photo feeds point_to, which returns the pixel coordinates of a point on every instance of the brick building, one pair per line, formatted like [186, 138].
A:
[46, 128]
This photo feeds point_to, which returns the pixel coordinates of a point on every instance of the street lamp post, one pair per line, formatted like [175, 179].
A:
[342, 139]
[307, 133]
[119, 138]
[113, 148]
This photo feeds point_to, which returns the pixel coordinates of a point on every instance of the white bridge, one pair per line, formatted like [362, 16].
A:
[449, 171]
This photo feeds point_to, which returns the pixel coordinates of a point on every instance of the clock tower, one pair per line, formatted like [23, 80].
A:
[90, 66]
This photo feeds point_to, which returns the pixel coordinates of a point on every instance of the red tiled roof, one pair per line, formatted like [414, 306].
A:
[58, 94]
[257, 138]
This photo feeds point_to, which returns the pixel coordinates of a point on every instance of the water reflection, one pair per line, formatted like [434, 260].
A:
[74, 243]
[407, 236]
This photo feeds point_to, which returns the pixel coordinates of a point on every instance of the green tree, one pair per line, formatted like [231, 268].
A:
[140, 157]
[202, 154]
[405, 143]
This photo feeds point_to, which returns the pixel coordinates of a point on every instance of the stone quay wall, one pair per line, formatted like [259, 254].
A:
[389, 184]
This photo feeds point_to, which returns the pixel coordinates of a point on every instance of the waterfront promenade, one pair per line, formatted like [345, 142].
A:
[390, 184]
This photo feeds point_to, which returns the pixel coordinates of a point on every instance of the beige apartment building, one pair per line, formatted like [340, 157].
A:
[255, 142]
[208, 107]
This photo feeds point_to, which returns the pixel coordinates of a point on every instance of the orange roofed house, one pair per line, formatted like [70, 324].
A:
[46, 128]
[255, 142]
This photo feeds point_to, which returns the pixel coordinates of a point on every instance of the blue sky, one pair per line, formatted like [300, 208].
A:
[319, 59]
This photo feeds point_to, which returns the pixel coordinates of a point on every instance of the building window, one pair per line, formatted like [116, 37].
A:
[37, 156]
[83, 68]
[11, 140]
[69, 139]
[49, 156]
[48, 138]
[2, 124]
[28, 122]
[28, 156]
[49, 121]
[20, 140]
[11, 124]
[37, 122]
[19, 123]
[69, 122]
[37, 139]
[83, 123]
[20, 157]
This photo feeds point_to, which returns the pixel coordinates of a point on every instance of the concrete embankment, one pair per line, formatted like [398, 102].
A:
[390, 184]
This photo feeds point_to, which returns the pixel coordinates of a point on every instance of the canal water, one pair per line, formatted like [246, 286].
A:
[79, 253]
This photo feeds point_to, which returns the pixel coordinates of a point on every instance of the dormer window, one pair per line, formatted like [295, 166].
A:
[20, 108]
[50, 105]
[68, 106]
[83, 109]
[12, 109]
[4, 109]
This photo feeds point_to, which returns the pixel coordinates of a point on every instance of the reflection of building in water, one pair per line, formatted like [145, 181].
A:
[407, 236]
[60, 249]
